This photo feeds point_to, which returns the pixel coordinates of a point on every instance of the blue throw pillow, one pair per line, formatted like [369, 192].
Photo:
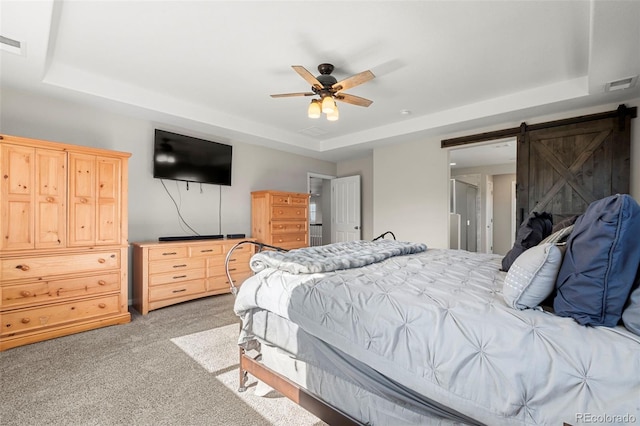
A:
[601, 262]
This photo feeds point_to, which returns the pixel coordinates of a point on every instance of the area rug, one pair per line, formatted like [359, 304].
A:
[216, 351]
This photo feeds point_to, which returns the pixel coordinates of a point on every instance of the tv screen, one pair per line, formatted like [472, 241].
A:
[190, 159]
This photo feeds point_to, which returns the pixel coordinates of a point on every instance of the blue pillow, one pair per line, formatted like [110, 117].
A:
[601, 262]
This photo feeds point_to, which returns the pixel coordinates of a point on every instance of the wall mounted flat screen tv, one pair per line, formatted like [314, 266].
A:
[180, 157]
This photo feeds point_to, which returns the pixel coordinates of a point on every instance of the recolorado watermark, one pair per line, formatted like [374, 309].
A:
[614, 419]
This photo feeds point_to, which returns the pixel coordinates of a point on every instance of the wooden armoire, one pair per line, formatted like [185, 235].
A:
[63, 245]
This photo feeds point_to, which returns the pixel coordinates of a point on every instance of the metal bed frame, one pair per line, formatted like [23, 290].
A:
[252, 365]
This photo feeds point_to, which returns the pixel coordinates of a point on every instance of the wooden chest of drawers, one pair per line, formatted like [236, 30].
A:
[280, 218]
[166, 273]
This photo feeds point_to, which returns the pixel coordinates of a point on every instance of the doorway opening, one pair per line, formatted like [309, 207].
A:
[490, 166]
[319, 189]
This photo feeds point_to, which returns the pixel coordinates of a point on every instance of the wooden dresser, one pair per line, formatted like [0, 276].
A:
[63, 246]
[166, 273]
[280, 218]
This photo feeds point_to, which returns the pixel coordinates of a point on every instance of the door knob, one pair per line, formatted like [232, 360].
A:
[356, 227]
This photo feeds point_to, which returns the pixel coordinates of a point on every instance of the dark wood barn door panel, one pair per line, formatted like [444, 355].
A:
[562, 169]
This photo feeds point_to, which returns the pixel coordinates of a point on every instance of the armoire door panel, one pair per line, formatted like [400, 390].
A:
[108, 201]
[107, 227]
[17, 190]
[51, 181]
[83, 175]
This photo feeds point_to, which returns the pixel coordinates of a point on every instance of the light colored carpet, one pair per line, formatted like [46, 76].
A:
[216, 350]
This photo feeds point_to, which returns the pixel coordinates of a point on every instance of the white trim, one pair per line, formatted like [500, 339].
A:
[316, 175]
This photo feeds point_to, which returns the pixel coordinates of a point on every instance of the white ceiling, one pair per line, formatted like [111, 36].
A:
[208, 67]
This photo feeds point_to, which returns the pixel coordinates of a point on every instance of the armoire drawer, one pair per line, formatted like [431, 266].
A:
[216, 269]
[237, 257]
[176, 276]
[220, 283]
[284, 227]
[179, 289]
[173, 265]
[39, 292]
[171, 252]
[287, 240]
[53, 315]
[289, 213]
[208, 250]
[64, 264]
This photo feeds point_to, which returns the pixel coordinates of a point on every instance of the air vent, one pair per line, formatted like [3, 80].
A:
[625, 83]
[313, 131]
[10, 45]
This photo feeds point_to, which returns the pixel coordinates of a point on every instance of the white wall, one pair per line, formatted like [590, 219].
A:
[411, 180]
[151, 211]
[411, 192]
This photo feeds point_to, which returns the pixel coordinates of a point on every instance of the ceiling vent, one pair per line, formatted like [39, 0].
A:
[313, 131]
[10, 45]
[625, 83]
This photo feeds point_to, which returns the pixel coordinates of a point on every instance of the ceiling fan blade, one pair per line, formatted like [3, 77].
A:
[351, 99]
[353, 81]
[288, 95]
[307, 76]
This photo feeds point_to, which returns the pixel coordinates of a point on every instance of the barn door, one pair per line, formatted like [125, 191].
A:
[562, 168]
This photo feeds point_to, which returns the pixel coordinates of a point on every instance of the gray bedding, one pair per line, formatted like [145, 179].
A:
[435, 322]
[333, 257]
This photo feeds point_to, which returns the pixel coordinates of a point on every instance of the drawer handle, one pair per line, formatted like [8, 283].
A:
[232, 260]
[83, 200]
[179, 276]
[101, 260]
[179, 266]
[206, 251]
[170, 253]
[232, 269]
[26, 320]
[102, 305]
[25, 293]
[102, 282]
[298, 212]
[179, 291]
[23, 267]
[50, 200]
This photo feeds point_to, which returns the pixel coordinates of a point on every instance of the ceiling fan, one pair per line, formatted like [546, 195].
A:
[329, 90]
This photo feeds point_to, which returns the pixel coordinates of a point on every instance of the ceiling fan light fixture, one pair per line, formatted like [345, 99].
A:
[314, 110]
[328, 105]
[333, 116]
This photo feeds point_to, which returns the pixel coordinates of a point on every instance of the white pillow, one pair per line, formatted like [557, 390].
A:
[532, 276]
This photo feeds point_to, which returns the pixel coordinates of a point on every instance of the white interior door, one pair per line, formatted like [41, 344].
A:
[345, 209]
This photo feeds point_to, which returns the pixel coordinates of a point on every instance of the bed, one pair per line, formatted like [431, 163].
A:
[391, 332]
